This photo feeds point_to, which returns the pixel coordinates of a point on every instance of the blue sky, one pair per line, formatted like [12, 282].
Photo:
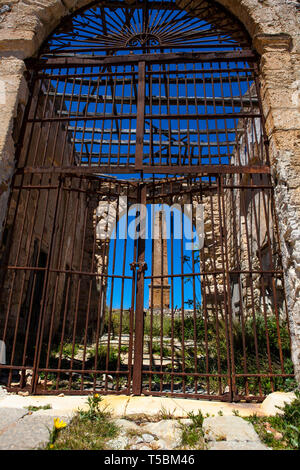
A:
[99, 141]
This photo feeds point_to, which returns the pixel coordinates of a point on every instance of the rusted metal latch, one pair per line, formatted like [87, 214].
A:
[142, 266]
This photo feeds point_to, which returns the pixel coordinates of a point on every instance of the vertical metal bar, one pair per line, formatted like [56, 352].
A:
[140, 125]
[139, 312]
[229, 307]
[228, 332]
[132, 319]
[40, 332]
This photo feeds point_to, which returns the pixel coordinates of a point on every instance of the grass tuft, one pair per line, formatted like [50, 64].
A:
[280, 432]
[192, 436]
[88, 430]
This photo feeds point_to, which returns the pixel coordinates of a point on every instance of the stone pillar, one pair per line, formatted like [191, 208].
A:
[13, 98]
[159, 291]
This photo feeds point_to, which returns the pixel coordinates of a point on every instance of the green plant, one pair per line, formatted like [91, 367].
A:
[37, 408]
[88, 430]
[160, 350]
[190, 328]
[106, 358]
[94, 409]
[58, 425]
[192, 435]
[164, 414]
[286, 426]
[291, 427]
[197, 419]
[155, 325]
[250, 348]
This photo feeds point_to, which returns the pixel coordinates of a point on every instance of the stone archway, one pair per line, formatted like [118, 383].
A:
[273, 28]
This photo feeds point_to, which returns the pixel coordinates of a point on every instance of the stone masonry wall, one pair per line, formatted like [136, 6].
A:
[274, 28]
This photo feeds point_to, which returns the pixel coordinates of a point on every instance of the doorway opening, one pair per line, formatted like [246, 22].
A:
[143, 253]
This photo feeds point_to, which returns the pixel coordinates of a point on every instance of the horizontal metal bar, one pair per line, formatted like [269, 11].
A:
[264, 375]
[83, 117]
[98, 130]
[209, 169]
[163, 143]
[89, 80]
[233, 115]
[115, 276]
[65, 271]
[195, 374]
[182, 374]
[84, 371]
[204, 46]
[214, 273]
[202, 396]
[79, 116]
[173, 57]
[183, 190]
[42, 391]
[157, 100]
[184, 169]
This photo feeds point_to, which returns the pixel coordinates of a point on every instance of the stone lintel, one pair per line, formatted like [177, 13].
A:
[20, 44]
[272, 42]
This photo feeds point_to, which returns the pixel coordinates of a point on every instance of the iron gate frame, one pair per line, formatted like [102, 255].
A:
[42, 69]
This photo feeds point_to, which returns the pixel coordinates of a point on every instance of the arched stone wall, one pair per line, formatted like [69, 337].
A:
[274, 28]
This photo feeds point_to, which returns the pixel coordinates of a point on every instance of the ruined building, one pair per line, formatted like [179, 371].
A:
[111, 107]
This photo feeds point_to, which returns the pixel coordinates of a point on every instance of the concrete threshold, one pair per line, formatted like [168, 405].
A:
[121, 406]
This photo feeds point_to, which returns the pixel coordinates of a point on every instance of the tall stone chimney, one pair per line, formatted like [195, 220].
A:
[159, 291]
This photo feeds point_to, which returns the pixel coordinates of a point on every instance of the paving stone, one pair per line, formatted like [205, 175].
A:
[119, 443]
[168, 430]
[137, 440]
[126, 425]
[30, 432]
[270, 406]
[3, 392]
[234, 445]
[229, 428]
[147, 437]
[9, 416]
[141, 446]
[161, 445]
[186, 422]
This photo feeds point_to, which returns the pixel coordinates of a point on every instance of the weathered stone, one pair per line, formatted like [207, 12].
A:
[126, 425]
[274, 29]
[119, 443]
[276, 400]
[30, 432]
[235, 445]
[24, 394]
[160, 445]
[229, 428]
[167, 430]
[147, 438]
[9, 416]
[137, 440]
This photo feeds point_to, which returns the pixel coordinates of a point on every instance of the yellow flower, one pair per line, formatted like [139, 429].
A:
[51, 446]
[96, 395]
[59, 423]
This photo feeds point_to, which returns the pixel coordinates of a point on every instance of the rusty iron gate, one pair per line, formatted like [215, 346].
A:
[144, 118]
